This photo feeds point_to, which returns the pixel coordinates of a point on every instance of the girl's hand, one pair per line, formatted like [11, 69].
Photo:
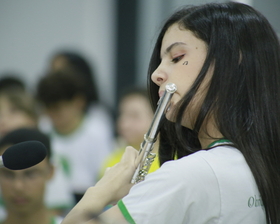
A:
[116, 181]
[114, 185]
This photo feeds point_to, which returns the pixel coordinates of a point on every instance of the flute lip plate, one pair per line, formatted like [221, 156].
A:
[171, 87]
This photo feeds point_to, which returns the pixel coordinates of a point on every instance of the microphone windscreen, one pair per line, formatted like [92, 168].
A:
[24, 155]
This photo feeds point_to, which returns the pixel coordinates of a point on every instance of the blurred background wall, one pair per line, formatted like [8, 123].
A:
[115, 35]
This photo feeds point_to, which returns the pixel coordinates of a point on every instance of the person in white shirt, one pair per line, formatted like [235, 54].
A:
[82, 138]
[220, 145]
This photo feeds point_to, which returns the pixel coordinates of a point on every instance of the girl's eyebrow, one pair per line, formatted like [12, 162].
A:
[169, 48]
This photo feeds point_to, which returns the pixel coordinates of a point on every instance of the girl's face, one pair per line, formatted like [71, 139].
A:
[182, 57]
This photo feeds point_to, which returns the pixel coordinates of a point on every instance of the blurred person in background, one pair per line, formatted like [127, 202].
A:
[23, 191]
[77, 62]
[73, 60]
[11, 81]
[19, 109]
[84, 140]
[134, 118]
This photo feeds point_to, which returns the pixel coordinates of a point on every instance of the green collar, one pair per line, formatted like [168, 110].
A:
[223, 140]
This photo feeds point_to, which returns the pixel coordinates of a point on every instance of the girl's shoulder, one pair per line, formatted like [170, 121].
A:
[215, 163]
[203, 157]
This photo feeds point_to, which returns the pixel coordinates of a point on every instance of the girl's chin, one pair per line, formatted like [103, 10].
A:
[170, 115]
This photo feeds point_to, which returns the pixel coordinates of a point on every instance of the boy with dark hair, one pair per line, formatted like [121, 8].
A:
[23, 191]
[84, 140]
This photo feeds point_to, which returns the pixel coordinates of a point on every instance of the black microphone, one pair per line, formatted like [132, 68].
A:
[23, 155]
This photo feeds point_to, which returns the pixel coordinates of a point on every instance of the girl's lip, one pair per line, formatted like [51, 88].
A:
[160, 93]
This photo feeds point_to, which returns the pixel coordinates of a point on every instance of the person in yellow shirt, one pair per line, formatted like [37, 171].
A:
[134, 118]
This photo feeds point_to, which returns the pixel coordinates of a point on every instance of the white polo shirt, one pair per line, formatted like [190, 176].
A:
[207, 187]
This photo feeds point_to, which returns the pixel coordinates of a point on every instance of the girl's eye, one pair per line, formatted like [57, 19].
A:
[177, 59]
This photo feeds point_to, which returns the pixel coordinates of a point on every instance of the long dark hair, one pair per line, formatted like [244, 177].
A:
[243, 95]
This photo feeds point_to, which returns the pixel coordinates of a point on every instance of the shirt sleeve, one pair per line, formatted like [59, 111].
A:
[173, 192]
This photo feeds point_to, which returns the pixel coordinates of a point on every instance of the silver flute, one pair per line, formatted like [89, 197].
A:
[145, 156]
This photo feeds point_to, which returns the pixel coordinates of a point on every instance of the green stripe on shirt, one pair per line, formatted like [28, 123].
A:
[220, 141]
[125, 212]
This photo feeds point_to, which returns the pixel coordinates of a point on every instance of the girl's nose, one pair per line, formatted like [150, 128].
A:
[159, 77]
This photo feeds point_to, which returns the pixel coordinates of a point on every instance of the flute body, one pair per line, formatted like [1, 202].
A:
[145, 155]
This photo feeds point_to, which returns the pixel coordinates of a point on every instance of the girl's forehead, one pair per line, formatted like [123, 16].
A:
[176, 32]
[177, 36]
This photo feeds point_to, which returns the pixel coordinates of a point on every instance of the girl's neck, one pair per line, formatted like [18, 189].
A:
[209, 134]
